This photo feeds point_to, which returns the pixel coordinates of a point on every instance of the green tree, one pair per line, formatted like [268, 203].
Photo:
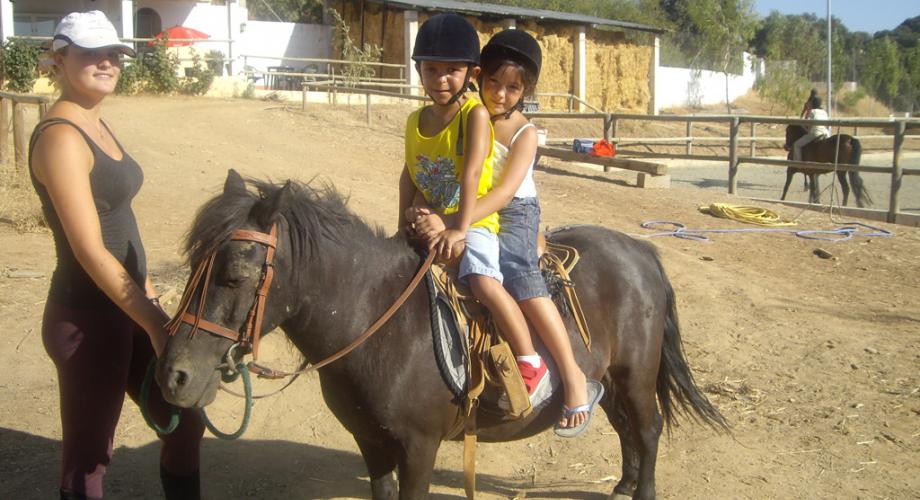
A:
[290, 11]
[910, 83]
[725, 29]
[882, 71]
[783, 87]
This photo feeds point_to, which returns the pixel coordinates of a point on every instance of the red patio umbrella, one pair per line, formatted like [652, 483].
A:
[179, 33]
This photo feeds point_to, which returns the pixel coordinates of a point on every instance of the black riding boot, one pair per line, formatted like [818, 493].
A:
[69, 495]
[180, 487]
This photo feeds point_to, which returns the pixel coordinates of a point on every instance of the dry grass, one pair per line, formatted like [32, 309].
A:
[19, 205]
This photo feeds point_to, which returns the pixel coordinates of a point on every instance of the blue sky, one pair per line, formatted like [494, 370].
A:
[857, 15]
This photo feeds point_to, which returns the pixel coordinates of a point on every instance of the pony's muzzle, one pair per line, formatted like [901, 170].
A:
[174, 380]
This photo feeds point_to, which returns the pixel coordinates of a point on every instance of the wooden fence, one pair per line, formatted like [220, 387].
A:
[11, 106]
[735, 123]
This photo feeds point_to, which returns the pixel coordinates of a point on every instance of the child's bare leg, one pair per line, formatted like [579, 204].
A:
[505, 311]
[545, 319]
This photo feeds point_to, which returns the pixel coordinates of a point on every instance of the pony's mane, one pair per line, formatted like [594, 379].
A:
[314, 215]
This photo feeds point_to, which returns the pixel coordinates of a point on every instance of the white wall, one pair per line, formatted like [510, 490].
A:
[204, 17]
[682, 87]
[277, 40]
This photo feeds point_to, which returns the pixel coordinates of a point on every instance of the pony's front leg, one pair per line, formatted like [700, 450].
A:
[416, 465]
[789, 173]
[381, 465]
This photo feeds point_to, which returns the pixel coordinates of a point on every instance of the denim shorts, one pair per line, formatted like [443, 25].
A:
[481, 255]
[520, 224]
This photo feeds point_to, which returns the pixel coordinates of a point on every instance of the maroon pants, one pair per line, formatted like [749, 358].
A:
[100, 355]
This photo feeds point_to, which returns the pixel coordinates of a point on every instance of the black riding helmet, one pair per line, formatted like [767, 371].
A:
[518, 46]
[447, 37]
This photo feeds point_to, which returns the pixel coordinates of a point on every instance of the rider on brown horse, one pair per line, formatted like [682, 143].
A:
[815, 132]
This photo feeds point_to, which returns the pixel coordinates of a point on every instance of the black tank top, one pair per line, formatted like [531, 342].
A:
[114, 184]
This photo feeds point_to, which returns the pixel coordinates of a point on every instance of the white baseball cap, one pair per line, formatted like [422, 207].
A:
[89, 30]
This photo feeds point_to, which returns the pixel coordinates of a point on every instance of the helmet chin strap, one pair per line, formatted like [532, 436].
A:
[456, 97]
[507, 114]
[519, 106]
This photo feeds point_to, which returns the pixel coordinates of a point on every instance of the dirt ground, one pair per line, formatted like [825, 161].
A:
[813, 361]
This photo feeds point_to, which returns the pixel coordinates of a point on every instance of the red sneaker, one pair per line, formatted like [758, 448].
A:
[536, 380]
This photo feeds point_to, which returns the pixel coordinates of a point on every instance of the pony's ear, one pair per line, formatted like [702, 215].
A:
[234, 182]
[273, 205]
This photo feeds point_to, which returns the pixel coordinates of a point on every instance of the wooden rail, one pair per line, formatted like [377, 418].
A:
[11, 103]
[735, 122]
[607, 162]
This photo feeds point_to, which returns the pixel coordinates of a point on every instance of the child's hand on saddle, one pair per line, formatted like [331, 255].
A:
[448, 243]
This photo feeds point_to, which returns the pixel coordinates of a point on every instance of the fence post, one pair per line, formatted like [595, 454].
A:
[19, 136]
[689, 137]
[303, 96]
[894, 205]
[367, 107]
[753, 139]
[614, 126]
[733, 155]
[4, 130]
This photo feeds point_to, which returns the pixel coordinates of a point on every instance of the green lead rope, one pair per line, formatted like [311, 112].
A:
[145, 389]
[174, 415]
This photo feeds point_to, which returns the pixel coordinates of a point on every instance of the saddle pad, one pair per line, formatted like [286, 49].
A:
[449, 340]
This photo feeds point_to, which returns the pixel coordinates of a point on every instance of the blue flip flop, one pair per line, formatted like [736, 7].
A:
[595, 393]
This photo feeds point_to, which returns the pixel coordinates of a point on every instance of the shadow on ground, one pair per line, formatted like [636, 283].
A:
[264, 469]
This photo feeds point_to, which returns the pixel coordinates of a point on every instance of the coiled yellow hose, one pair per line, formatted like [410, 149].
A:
[749, 214]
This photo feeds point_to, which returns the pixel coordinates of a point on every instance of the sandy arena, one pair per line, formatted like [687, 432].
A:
[813, 361]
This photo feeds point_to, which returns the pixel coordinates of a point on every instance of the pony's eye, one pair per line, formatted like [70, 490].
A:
[232, 281]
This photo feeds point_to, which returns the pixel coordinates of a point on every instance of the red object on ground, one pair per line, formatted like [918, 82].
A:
[603, 148]
[179, 33]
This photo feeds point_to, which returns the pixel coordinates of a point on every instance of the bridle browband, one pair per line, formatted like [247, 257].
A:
[249, 338]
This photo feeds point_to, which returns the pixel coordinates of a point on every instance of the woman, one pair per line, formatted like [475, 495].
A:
[102, 323]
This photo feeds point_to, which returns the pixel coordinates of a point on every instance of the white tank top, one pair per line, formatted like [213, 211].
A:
[527, 189]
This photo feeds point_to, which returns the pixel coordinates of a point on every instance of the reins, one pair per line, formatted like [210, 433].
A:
[265, 372]
[249, 338]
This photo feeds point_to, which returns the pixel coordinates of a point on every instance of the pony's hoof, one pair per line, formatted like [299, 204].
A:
[619, 496]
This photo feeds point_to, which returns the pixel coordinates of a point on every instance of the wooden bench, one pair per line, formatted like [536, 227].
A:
[650, 174]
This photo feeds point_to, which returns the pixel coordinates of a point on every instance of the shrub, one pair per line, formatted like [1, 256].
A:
[133, 78]
[199, 78]
[161, 67]
[358, 56]
[215, 61]
[850, 100]
[19, 60]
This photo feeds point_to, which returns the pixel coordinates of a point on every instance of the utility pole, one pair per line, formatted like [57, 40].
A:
[830, 102]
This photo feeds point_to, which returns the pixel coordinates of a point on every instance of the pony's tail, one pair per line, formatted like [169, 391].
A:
[856, 182]
[857, 151]
[675, 381]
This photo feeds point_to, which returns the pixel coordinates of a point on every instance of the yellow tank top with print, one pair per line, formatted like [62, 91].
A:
[436, 169]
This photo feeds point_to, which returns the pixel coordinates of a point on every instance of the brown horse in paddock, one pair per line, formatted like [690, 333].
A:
[825, 151]
[330, 275]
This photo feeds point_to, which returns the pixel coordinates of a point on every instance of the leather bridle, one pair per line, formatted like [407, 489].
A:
[249, 338]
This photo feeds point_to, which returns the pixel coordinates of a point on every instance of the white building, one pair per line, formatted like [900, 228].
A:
[226, 23]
